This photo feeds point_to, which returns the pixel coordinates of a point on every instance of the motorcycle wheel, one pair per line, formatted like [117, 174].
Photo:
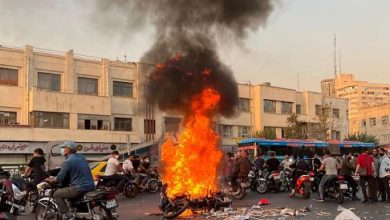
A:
[51, 213]
[104, 212]
[306, 190]
[277, 186]
[153, 185]
[261, 187]
[130, 190]
[340, 196]
[241, 193]
[172, 211]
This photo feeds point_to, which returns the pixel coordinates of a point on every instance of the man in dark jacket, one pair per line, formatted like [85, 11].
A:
[301, 167]
[36, 167]
[242, 166]
[347, 169]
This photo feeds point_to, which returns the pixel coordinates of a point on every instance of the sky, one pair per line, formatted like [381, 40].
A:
[294, 49]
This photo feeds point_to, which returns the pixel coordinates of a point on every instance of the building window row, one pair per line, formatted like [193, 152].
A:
[93, 122]
[244, 104]
[50, 119]
[8, 77]
[226, 131]
[85, 85]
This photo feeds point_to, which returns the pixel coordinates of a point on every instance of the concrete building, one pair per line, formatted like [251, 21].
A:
[273, 105]
[375, 121]
[361, 94]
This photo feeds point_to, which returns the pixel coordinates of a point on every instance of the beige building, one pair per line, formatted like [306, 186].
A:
[361, 94]
[375, 121]
[273, 105]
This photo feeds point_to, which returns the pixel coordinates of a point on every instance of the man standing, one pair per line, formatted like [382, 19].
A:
[384, 174]
[365, 166]
[347, 169]
[376, 180]
[329, 164]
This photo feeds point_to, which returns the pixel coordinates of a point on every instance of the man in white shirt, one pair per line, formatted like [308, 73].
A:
[112, 169]
[128, 165]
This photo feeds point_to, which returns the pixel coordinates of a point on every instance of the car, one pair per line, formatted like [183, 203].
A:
[98, 168]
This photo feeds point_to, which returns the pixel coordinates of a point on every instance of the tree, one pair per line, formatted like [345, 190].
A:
[267, 133]
[324, 123]
[362, 137]
[294, 129]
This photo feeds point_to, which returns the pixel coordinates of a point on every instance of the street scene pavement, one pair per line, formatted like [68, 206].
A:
[145, 207]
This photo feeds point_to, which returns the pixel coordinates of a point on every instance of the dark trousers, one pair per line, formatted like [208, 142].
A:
[295, 176]
[118, 179]
[386, 188]
[65, 193]
[352, 183]
[363, 181]
[375, 188]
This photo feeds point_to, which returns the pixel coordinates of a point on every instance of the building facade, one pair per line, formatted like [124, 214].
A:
[361, 94]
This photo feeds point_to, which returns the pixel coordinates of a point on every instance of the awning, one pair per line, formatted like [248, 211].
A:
[299, 143]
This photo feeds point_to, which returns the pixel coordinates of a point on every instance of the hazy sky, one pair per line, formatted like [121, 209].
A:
[298, 38]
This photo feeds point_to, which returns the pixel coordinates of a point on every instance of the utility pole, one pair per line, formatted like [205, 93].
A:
[334, 55]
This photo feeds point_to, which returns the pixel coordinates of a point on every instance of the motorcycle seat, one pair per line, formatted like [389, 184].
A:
[96, 195]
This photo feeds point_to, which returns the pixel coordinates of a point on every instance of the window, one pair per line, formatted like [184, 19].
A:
[49, 81]
[172, 124]
[244, 104]
[122, 89]
[122, 124]
[8, 77]
[225, 130]
[149, 126]
[87, 86]
[364, 123]
[336, 135]
[336, 113]
[298, 109]
[372, 121]
[50, 119]
[93, 122]
[7, 118]
[243, 131]
[269, 106]
[385, 119]
[286, 107]
[318, 110]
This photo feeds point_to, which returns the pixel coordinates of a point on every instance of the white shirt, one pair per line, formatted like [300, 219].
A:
[111, 168]
[127, 165]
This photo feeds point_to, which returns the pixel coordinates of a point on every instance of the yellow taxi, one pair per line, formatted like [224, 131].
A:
[98, 168]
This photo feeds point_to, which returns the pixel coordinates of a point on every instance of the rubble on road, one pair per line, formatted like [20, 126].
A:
[257, 212]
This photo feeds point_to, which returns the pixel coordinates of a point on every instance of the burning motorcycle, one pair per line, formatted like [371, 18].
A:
[174, 207]
[95, 205]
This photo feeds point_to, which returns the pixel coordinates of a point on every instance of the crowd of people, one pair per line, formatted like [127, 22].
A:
[372, 167]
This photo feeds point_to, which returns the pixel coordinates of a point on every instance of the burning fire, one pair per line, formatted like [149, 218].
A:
[190, 162]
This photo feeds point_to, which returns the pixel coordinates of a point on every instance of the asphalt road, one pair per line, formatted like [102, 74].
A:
[145, 204]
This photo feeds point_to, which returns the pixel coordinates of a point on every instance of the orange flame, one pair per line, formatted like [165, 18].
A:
[191, 161]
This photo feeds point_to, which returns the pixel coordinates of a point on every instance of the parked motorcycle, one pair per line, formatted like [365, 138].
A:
[130, 186]
[152, 183]
[174, 207]
[235, 190]
[95, 205]
[285, 180]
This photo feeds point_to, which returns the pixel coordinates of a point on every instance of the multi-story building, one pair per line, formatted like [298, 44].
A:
[361, 94]
[375, 121]
[273, 105]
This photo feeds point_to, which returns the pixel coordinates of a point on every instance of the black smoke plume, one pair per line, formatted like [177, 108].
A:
[191, 28]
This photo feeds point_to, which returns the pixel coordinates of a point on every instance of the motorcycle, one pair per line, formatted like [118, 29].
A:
[130, 186]
[235, 190]
[335, 188]
[152, 183]
[285, 180]
[17, 195]
[173, 207]
[95, 205]
[302, 186]
[269, 181]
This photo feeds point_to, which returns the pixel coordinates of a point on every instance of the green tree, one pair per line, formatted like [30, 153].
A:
[294, 129]
[324, 123]
[267, 133]
[362, 137]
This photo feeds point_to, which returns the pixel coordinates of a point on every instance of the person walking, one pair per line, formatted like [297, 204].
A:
[384, 175]
[365, 167]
